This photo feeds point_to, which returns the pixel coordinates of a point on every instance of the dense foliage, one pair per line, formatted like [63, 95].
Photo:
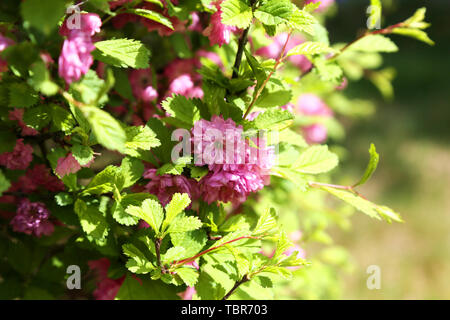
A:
[175, 149]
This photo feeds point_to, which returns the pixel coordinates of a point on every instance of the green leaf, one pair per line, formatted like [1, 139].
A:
[173, 254]
[315, 159]
[373, 43]
[293, 176]
[145, 289]
[176, 168]
[37, 117]
[63, 199]
[43, 15]
[302, 20]
[91, 219]
[183, 223]
[118, 209]
[139, 139]
[137, 262]
[91, 89]
[236, 13]
[371, 167]
[62, 119]
[106, 129]
[150, 211]
[182, 109]
[22, 96]
[4, 183]
[152, 15]
[105, 181]
[83, 154]
[311, 48]
[414, 33]
[40, 79]
[266, 222]
[122, 53]
[192, 241]
[179, 202]
[274, 12]
[189, 275]
[273, 119]
[131, 171]
[363, 205]
[288, 136]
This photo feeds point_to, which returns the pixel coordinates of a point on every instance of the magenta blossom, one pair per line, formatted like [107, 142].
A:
[107, 288]
[4, 43]
[76, 59]
[32, 218]
[274, 49]
[218, 32]
[17, 115]
[19, 158]
[166, 185]
[236, 168]
[141, 81]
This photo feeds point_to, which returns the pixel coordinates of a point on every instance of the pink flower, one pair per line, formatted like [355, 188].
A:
[217, 31]
[31, 217]
[107, 288]
[141, 83]
[236, 168]
[311, 105]
[185, 86]
[19, 158]
[187, 294]
[17, 115]
[196, 23]
[165, 186]
[38, 176]
[273, 50]
[76, 59]
[4, 43]
[214, 57]
[68, 165]
[324, 4]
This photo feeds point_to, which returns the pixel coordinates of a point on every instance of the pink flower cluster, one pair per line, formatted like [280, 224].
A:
[311, 105]
[165, 186]
[236, 168]
[182, 78]
[76, 59]
[17, 115]
[37, 177]
[107, 288]
[273, 50]
[19, 158]
[218, 32]
[32, 218]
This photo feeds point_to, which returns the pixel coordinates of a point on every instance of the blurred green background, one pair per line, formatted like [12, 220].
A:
[412, 134]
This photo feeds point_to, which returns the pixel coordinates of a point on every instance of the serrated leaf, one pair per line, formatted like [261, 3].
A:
[315, 160]
[310, 48]
[139, 139]
[179, 202]
[364, 205]
[91, 220]
[137, 262]
[189, 275]
[371, 167]
[236, 13]
[295, 177]
[173, 254]
[83, 154]
[107, 130]
[63, 199]
[267, 222]
[414, 33]
[131, 171]
[273, 119]
[123, 53]
[152, 15]
[182, 109]
[37, 117]
[274, 12]
[302, 20]
[150, 211]
[183, 223]
[118, 210]
[22, 96]
[62, 119]
[105, 181]
[373, 43]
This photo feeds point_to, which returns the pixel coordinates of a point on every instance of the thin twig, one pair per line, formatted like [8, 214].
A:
[236, 285]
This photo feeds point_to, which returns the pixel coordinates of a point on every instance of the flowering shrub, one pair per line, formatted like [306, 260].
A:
[175, 150]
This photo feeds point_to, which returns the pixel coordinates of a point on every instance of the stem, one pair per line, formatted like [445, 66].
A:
[187, 260]
[241, 46]
[258, 93]
[336, 186]
[236, 285]
[158, 254]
